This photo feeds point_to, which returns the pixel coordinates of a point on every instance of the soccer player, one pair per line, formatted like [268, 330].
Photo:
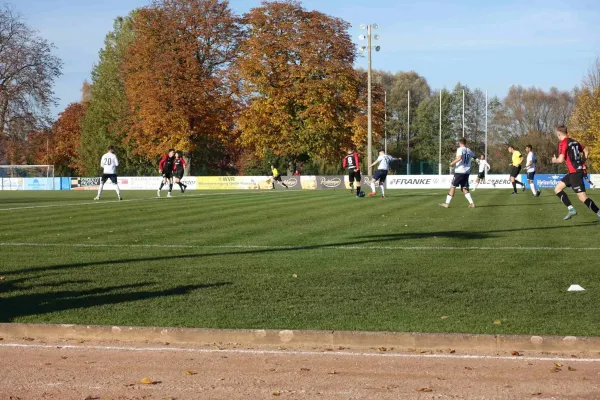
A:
[573, 153]
[484, 168]
[380, 176]
[165, 167]
[464, 157]
[109, 162]
[276, 177]
[515, 168]
[178, 167]
[530, 166]
[351, 162]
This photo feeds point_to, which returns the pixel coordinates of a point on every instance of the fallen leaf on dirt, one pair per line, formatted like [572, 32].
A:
[129, 384]
[191, 373]
[469, 368]
[81, 341]
[277, 394]
[146, 381]
[341, 348]
[305, 369]
[444, 317]
[423, 351]
[382, 349]
[427, 390]
[28, 339]
[64, 357]
[167, 343]
[451, 351]
[497, 322]
[572, 369]
[516, 354]
[555, 369]
[329, 349]
[573, 356]
[529, 363]
[92, 398]
[558, 365]
[332, 373]
[536, 394]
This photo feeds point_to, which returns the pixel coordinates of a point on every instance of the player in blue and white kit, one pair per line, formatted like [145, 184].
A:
[380, 175]
[530, 166]
[464, 157]
[109, 162]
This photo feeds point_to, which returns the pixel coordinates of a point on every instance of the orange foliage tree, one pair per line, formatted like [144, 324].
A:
[176, 76]
[65, 137]
[298, 83]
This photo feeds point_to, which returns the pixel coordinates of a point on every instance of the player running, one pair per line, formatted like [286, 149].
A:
[515, 168]
[464, 157]
[165, 167]
[530, 167]
[178, 169]
[352, 162]
[573, 153]
[385, 161]
[276, 177]
[109, 162]
[484, 169]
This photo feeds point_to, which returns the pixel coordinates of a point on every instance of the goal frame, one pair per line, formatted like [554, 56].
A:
[10, 172]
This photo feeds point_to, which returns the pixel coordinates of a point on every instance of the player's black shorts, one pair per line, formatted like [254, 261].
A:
[112, 177]
[461, 180]
[277, 178]
[380, 175]
[179, 174]
[481, 175]
[531, 176]
[354, 175]
[515, 171]
[168, 174]
[574, 181]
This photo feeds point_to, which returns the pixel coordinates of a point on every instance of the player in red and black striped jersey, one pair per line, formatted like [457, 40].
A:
[574, 154]
[352, 163]
[165, 167]
[178, 170]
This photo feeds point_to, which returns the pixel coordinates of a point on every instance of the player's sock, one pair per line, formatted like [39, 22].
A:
[382, 190]
[161, 186]
[514, 185]
[118, 190]
[170, 187]
[592, 206]
[518, 183]
[180, 186]
[357, 190]
[565, 199]
[100, 189]
[469, 198]
[476, 185]
[533, 188]
[373, 186]
[448, 199]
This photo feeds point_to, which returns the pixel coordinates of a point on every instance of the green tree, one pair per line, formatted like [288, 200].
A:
[105, 121]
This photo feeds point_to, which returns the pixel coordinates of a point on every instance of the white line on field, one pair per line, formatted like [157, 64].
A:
[305, 247]
[299, 353]
[101, 202]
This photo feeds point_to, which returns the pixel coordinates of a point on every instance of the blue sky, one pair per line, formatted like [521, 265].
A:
[490, 45]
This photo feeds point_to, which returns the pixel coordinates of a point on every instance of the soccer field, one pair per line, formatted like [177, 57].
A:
[301, 260]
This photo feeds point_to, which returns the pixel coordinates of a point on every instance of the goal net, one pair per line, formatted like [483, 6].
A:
[20, 177]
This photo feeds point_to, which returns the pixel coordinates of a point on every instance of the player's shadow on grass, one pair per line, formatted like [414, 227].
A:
[50, 302]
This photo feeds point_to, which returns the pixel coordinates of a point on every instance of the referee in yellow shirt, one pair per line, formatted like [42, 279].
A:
[277, 178]
[515, 168]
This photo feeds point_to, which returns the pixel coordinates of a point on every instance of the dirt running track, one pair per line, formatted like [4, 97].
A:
[75, 370]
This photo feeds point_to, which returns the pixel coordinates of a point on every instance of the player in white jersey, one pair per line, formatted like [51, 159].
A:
[464, 157]
[385, 162]
[109, 162]
[484, 169]
[530, 166]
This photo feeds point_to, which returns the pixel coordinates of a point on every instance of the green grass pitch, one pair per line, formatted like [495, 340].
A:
[301, 260]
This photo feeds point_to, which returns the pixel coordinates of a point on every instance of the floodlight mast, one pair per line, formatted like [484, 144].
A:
[369, 48]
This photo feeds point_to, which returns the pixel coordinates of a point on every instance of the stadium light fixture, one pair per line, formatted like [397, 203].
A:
[369, 49]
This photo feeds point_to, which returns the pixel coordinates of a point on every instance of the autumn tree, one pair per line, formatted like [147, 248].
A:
[586, 115]
[177, 79]
[107, 114]
[28, 70]
[298, 83]
[65, 138]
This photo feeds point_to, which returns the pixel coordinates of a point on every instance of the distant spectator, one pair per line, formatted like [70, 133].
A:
[296, 173]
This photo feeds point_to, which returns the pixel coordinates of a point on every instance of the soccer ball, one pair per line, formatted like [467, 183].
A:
[362, 194]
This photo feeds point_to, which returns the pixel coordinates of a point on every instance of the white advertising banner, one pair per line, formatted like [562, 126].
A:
[150, 182]
[444, 181]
